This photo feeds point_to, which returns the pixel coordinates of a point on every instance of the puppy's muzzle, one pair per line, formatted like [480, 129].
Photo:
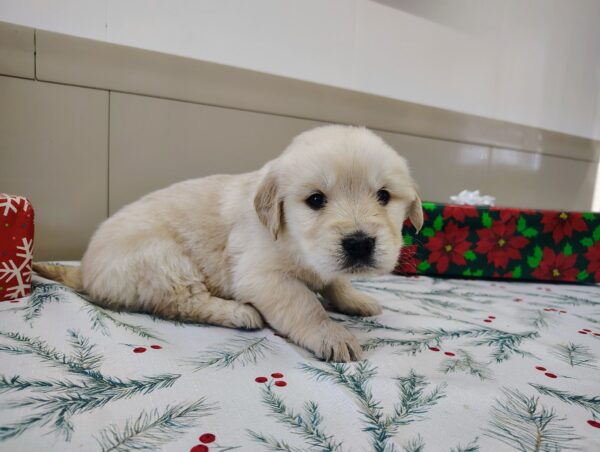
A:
[358, 250]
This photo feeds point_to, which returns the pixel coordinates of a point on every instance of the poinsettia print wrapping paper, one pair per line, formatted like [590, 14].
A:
[450, 365]
[504, 243]
[16, 246]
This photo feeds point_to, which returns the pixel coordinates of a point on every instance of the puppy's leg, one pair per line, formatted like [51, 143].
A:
[294, 310]
[347, 300]
[196, 304]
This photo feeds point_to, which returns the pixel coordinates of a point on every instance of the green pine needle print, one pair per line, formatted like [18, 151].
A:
[465, 362]
[413, 402]
[54, 402]
[523, 423]
[271, 443]
[540, 319]
[100, 316]
[575, 355]
[415, 445]
[471, 447]
[42, 293]
[154, 428]
[504, 343]
[306, 425]
[592, 404]
[238, 350]
[365, 324]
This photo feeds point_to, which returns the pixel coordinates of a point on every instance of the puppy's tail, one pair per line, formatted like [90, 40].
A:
[69, 276]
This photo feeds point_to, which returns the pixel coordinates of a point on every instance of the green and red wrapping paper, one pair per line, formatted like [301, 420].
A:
[503, 243]
[16, 246]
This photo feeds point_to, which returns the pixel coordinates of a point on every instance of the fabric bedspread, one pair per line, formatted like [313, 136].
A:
[451, 365]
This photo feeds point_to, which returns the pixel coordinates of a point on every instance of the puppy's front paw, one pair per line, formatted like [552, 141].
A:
[247, 317]
[335, 343]
[358, 303]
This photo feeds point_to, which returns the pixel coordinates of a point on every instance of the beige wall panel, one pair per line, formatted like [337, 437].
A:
[53, 149]
[17, 50]
[522, 179]
[442, 168]
[66, 59]
[156, 142]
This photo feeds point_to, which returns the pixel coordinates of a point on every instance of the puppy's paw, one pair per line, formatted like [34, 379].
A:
[358, 303]
[247, 317]
[336, 343]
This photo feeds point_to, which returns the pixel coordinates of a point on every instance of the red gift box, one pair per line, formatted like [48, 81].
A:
[16, 246]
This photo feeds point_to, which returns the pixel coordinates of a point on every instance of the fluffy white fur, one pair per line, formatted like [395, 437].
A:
[239, 250]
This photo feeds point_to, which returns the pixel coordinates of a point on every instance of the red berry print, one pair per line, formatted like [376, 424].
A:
[448, 353]
[156, 347]
[280, 383]
[487, 321]
[277, 375]
[493, 317]
[518, 300]
[207, 438]
[199, 448]
[587, 330]
[542, 368]
[14, 301]
[261, 379]
[596, 334]
[594, 423]
[562, 312]
[582, 332]
[550, 375]
[139, 350]
[434, 349]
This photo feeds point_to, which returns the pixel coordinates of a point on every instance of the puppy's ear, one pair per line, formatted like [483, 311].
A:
[415, 213]
[268, 205]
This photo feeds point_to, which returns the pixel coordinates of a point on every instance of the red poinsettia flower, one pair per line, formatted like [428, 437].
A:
[563, 224]
[556, 266]
[593, 256]
[509, 214]
[500, 243]
[408, 260]
[459, 213]
[448, 246]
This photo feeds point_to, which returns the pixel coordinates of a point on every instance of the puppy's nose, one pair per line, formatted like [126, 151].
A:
[359, 246]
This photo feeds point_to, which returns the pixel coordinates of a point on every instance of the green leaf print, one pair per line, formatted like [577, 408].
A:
[438, 223]
[596, 234]
[470, 255]
[516, 273]
[587, 242]
[423, 266]
[486, 220]
[429, 206]
[408, 240]
[534, 261]
[582, 275]
[589, 215]
[428, 232]
[568, 249]
[521, 224]
[530, 232]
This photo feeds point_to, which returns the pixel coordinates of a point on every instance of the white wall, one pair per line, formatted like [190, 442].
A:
[534, 62]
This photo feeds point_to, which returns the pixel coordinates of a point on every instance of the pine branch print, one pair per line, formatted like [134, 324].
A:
[41, 294]
[471, 447]
[413, 402]
[505, 344]
[306, 425]
[153, 428]
[540, 319]
[239, 350]
[54, 403]
[575, 355]
[271, 443]
[415, 445]
[592, 404]
[99, 316]
[465, 362]
[523, 423]
[365, 324]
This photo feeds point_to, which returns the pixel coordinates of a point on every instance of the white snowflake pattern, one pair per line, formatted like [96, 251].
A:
[10, 270]
[10, 203]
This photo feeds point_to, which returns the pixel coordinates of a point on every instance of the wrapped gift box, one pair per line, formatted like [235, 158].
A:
[16, 246]
[504, 243]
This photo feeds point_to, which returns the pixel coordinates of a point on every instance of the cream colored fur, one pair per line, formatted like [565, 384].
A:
[240, 250]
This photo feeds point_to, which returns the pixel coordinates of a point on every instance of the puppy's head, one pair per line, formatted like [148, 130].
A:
[341, 195]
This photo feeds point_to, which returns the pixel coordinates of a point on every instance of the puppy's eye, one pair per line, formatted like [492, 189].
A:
[383, 196]
[316, 201]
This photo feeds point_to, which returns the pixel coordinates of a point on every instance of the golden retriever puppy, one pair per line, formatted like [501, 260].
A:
[234, 250]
